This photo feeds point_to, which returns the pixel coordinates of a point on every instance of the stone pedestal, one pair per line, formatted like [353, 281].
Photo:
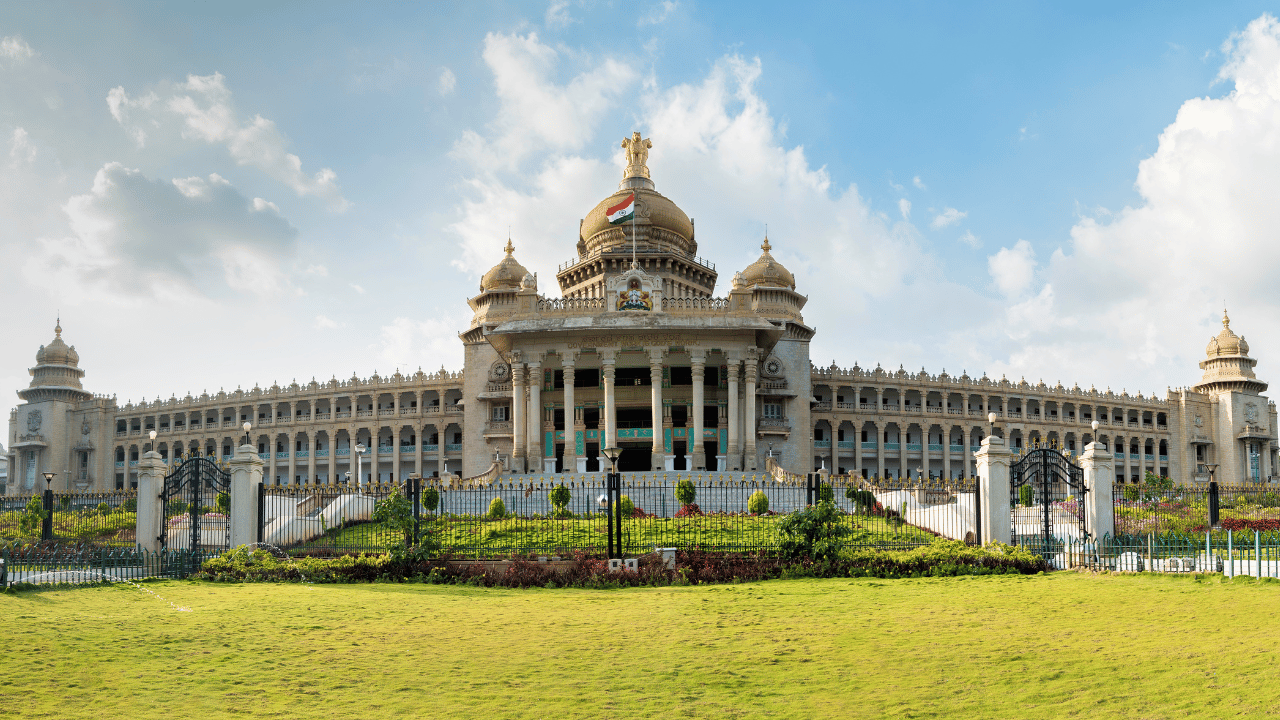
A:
[1099, 476]
[246, 478]
[151, 472]
[993, 489]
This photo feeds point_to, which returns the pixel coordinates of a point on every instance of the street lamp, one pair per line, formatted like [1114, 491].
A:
[246, 426]
[770, 449]
[612, 453]
[360, 448]
[613, 489]
[48, 480]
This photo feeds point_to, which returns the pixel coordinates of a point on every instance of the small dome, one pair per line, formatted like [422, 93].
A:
[1227, 342]
[57, 352]
[506, 275]
[768, 272]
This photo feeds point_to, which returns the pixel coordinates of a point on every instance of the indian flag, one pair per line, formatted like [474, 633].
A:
[623, 211]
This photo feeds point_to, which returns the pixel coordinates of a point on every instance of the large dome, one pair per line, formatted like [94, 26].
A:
[653, 210]
[768, 272]
[1227, 342]
[506, 275]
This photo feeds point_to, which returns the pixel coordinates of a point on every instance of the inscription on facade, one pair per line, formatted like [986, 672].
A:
[640, 340]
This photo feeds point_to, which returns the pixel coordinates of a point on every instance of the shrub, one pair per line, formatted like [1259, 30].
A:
[497, 509]
[813, 532]
[131, 505]
[560, 497]
[430, 499]
[690, 510]
[223, 503]
[758, 503]
[864, 501]
[626, 508]
[32, 517]
[103, 509]
[64, 502]
[396, 512]
[177, 507]
[686, 493]
[1026, 495]
[1132, 493]
[826, 494]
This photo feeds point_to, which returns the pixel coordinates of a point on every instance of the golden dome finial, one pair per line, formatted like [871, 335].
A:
[765, 246]
[509, 248]
[1226, 321]
[57, 329]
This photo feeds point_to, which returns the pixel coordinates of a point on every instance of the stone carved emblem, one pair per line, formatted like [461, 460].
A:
[34, 418]
[1251, 412]
[1199, 421]
[500, 372]
[772, 367]
[634, 297]
[635, 290]
[86, 427]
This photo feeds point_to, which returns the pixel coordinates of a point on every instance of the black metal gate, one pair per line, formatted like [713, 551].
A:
[1046, 500]
[197, 511]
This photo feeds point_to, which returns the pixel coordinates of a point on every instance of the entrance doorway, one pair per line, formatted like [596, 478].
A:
[635, 457]
[678, 449]
[711, 448]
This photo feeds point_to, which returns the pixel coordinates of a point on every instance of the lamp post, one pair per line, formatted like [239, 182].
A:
[246, 427]
[1213, 495]
[613, 489]
[359, 451]
[46, 525]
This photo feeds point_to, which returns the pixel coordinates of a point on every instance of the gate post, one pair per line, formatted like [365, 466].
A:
[246, 479]
[1097, 463]
[151, 472]
[993, 489]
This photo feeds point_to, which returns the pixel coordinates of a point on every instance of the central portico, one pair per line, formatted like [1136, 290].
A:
[637, 352]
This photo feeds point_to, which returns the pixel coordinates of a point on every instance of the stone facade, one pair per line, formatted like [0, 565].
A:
[638, 353]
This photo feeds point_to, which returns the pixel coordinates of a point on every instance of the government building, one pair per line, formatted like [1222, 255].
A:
[638, 352]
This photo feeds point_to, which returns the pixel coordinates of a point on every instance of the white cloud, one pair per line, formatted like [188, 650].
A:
[947, 218]
[558, 14]
[538, 114]
[324, 323]
[659, 13]
[261, 205]
[968, 238]
[136, 237]
[357, 288]
[208, 114]
[407, 344]
[1012, 269]
[1139, 291]
[15, 48]
[447, 82]
[918, 183]
[317, 270]
[904, 207]
[21, 151]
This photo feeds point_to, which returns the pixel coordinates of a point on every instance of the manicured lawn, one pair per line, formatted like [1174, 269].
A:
[1062, 645]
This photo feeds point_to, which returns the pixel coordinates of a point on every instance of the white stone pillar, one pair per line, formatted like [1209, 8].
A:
[610, 408]
[517, 420]
[1099, 476]
[246, 478]
[734, 452]
[291, 446]
[151, 472]
[570, 462]
[993, 490]
[312, 445]
[657, 449]
[749, 420]
[534, 417]
[698, 360]
[946, 451]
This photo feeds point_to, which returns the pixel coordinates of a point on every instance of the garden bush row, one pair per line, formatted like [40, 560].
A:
[693, 567]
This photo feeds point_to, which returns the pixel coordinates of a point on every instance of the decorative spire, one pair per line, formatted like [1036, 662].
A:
[57, 329]
[510, 248]
[765, 246]
[1226, 321]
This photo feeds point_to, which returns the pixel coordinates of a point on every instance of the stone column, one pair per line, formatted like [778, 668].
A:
[1128, 460]
[293, 458]
[904, 466]
[946, 452]
[534, 452]
[517, 420]
[610, 406]
[570, 414]
[880, 443]
[151, 472]
[246, 478]
[271, 456]
[657, 450]
[879, 400]
[698, 361]
[395, 444]
[749, 419]
[375, 439]
[993, 488]
[1099, 476]
[857, 446]
[734, 459]
[925, 432]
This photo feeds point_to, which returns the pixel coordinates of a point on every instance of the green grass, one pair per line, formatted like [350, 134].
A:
[1062, 645]
[472, 535]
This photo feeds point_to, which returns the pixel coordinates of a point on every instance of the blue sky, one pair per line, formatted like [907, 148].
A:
[1061, 192]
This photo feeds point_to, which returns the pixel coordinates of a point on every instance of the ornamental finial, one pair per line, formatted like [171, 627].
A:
[510, 248]
[1226, 321]
[637, 155]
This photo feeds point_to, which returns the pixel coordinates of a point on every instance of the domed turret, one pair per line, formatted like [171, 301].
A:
[57, 374]
[506, 275]
[1227, 365]
[767, 271]
[1227, 342]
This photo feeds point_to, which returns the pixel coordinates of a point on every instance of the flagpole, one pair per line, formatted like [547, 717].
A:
[634, 203]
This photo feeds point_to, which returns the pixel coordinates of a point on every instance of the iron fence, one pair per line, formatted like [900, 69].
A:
[1231, 553]
[1145, 509]
[541, 516]
[53, 564]
[101, 518]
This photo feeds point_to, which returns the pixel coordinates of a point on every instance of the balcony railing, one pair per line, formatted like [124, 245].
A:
[453, 447]
[868, 446]
[343, 414]
[409, 411]
[386, 411]
[364, 413]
